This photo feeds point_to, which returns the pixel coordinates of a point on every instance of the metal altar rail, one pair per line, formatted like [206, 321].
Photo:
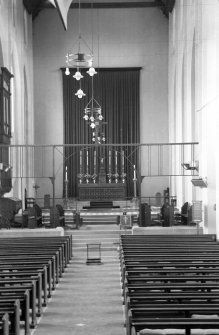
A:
[42, 164]
[46, 161]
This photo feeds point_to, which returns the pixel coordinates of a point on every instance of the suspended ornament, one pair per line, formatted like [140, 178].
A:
[67, 72]
[91, 71]
[80, 93]
[78, 75]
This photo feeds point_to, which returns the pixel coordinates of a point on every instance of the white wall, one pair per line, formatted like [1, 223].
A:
[16, 45]
[194, 92]
[127, 38]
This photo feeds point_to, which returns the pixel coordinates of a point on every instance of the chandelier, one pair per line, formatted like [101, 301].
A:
[81, 58]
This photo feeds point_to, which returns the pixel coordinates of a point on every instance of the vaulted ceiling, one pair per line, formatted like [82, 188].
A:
[34, 7]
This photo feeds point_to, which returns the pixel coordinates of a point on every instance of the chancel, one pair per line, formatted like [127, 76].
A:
[109, 167]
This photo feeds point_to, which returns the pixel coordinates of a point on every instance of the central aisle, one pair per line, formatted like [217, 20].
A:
[87, 299]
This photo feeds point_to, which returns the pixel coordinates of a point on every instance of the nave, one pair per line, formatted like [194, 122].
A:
[87, 300]
[140, 284]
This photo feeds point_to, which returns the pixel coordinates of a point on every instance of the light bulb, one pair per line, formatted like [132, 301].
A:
[86, 117]
[92, 119]
[100, 117]
[78, 75]
[103, 139]
[67, 72]
[92, 125]
[80, 93]
[91, 71]
[93, 139]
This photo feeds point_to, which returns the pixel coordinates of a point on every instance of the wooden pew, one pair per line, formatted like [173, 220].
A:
[36, 288]
[159, 291]
[22, 293]
[13, 310]
[4, 324]
[134, 300]
[24, 306]
[171, 238]
[24, 263]
[183, 323]
[27, 270]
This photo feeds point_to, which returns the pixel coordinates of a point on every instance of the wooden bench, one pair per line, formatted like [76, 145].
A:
[24, 294]
[29, 270]
[171, 238]
[159, 291]
[134, 300]
[176, 323]
[4, 324]
[24, 307]
[13, 310]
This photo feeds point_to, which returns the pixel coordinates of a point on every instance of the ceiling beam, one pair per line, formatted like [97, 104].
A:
[35, 6]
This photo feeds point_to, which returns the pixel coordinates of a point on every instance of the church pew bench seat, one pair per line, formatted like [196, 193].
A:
[34, 259]
[134, 271]
[13, 310]
[36, 287]
[23, 294]
[186, 324]
[173, 300]
[25, 268]
[4, 324]
[65, 242]
[25, 265]
[175, 237]
[52, 255]
[29, 275]
[24, 308]
[65, 252]
[172, 312]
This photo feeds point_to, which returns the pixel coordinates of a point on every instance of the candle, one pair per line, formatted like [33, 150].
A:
[95, 161]
[109, 161]
[134, 172]
[122, 158]
[80, 158]
[66, 173]
[115, 162]
[87, 160]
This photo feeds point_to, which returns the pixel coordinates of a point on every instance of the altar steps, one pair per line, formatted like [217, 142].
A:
[99, 219]
[107, 235]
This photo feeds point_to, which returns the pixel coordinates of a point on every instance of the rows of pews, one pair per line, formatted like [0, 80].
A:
[170, 282]
[30, 269]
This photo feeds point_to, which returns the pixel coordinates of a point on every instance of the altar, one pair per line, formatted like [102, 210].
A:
[102, 191]
[99, 179]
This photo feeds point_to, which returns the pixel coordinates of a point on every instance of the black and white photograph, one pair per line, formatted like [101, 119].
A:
[109, 167]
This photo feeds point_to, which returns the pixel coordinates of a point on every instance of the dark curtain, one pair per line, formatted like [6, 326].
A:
[117, 91]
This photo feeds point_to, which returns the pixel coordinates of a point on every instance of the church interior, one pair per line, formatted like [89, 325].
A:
[108, 165]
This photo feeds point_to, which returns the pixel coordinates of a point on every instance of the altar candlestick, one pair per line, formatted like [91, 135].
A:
[95, 162]
[80, 161]
[66, 173]
[109, 161]
[87, 160]
[122, 158]
[134, 172]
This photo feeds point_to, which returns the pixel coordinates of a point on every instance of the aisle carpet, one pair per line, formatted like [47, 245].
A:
[87, 300]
